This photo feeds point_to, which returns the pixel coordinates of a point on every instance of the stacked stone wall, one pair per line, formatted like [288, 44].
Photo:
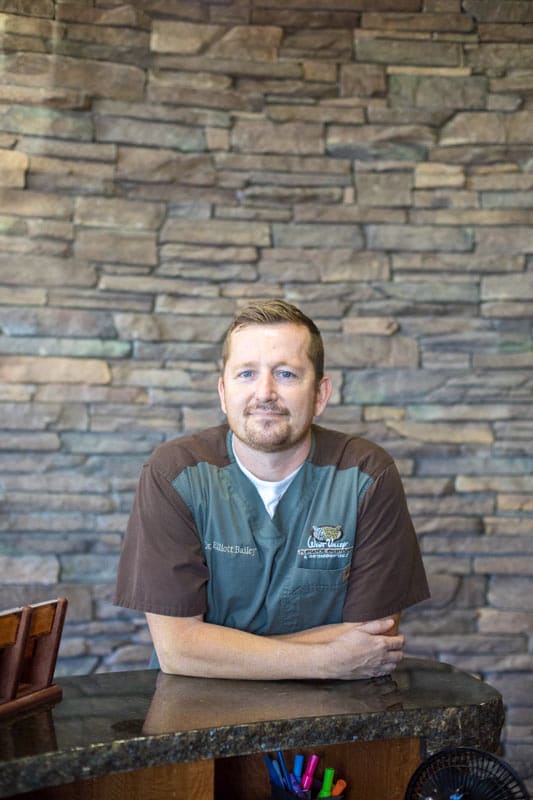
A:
[163, 161]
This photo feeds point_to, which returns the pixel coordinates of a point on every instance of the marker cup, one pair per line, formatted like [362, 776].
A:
[278, 793]
[282, 794]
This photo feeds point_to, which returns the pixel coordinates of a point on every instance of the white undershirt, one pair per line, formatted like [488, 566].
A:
[270, 492]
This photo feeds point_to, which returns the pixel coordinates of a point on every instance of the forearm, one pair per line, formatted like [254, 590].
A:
[328, 633]
[189, 646]
[213, 651]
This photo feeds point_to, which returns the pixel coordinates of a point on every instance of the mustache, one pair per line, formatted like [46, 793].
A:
[272, 407]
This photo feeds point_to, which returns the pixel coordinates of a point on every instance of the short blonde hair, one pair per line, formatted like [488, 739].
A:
[277, 312]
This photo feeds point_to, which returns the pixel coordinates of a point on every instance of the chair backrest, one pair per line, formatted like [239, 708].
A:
[14, 630]
[29, 643]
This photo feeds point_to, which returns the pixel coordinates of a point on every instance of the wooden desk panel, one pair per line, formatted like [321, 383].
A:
[183, 781]
[373, 770]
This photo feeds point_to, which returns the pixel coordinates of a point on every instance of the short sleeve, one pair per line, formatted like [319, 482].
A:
[387, 573]
[161, 568]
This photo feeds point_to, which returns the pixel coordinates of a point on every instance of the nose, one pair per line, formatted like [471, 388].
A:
[265, 388]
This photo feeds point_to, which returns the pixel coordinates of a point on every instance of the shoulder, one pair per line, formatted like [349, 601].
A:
[207, 446]
[346, 451]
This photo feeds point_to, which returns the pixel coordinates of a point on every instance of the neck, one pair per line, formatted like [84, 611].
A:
[272, 466]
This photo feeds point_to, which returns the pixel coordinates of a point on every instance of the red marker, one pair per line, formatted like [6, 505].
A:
[307, 777]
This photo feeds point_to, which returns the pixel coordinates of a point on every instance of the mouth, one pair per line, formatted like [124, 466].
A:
[266, 412]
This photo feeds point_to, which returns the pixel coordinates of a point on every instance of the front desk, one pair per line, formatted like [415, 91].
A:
[144, 735]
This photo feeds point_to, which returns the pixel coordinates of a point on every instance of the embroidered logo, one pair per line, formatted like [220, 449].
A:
[324, 543]
[327, 533]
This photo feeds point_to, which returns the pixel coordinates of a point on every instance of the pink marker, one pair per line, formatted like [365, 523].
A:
[307, 777]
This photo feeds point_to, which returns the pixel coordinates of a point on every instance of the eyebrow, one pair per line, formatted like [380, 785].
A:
[276, 365]
[245, 364]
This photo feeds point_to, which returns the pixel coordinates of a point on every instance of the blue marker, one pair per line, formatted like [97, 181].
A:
[275, 776]
[284, 771]
[298, 767]
[279, 776]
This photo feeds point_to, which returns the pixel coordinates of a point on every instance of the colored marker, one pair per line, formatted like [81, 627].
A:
[284, 771]
[279, 776]
[298, 766]
[307, 777]
[339, 788]
[275, 777]
[327, 783]
[297, 789]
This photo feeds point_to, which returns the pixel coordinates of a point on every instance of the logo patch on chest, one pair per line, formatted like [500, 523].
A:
[327, 533]
[325, 544]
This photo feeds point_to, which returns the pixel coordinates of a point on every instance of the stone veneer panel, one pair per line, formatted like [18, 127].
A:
[161, 163]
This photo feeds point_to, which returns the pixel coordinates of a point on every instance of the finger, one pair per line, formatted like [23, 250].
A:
[377, 626]
[387, 667]
[394, 664]
[394, 657]
[395, 654]
[395, 642]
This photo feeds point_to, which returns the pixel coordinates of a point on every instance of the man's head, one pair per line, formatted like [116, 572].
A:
[277, 312]
[272, 383]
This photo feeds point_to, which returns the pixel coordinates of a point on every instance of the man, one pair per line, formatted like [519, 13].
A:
[270, 547]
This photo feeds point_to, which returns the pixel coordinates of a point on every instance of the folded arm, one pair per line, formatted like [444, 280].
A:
[348, 650]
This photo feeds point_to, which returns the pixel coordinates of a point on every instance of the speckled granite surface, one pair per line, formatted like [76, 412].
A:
[126, 720]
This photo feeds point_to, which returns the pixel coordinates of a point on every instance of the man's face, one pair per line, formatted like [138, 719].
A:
[268, 389]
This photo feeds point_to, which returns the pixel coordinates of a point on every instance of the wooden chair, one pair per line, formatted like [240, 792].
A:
[29, 643]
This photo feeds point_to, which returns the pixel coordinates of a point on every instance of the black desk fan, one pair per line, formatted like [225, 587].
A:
[465, 773]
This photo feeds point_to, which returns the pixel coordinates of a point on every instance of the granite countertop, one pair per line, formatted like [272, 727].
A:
[114, 722]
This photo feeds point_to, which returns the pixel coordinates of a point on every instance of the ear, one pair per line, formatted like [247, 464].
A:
[323, 393]
[221, 394]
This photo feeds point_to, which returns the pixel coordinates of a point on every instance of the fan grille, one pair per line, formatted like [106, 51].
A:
[465, 774]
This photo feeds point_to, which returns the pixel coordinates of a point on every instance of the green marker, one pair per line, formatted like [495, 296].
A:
[327, 783]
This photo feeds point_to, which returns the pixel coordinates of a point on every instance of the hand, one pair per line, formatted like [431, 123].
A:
[364, 650]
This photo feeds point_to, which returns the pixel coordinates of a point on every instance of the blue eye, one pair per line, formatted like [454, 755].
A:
[246, 373]
[286, 374]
